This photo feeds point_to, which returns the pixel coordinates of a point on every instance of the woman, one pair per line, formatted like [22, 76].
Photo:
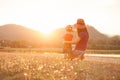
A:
[81, 45]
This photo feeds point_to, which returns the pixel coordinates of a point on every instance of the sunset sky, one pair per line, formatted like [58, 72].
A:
[42, 15]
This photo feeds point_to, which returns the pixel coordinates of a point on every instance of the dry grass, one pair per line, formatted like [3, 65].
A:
[29, 66]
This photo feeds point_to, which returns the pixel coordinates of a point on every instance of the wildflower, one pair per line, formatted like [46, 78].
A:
[71, 67]
[25, 74]
[40, 67]
[75, 73]
[63, 78]
[56, 71]
[113, 77]
[47, 74]
[68, 69]
[61, 69]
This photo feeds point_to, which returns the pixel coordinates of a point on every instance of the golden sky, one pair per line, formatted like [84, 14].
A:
[47, 15]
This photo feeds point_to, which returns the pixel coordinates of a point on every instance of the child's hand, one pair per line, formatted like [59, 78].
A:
[67, 41]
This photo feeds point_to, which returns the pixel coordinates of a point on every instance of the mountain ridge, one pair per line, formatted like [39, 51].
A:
[18, 32]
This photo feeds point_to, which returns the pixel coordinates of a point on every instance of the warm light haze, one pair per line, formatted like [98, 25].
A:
[48, 15]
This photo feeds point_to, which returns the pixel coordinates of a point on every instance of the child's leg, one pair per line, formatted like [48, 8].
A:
[69, 50]
[65, 55]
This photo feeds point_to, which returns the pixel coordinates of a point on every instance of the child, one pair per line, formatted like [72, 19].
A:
[68, 38]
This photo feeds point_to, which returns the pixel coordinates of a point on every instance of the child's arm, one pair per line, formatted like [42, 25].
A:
[68, 42]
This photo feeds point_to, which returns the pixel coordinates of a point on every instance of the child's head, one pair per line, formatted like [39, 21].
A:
[69, 28]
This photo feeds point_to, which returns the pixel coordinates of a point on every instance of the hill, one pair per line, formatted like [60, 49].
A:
[95, 34]
[18, 32]
[14, 32]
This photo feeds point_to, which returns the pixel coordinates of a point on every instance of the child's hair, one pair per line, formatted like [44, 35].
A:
[69, 28]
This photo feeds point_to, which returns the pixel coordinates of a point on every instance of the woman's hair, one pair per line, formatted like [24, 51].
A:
[80, 22]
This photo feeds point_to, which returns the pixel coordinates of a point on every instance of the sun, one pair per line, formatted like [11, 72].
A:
[46, 31]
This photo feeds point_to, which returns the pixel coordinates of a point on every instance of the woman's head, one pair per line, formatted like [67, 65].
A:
[80, 24]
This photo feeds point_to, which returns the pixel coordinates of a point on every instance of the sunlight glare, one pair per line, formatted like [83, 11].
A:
[46, 31]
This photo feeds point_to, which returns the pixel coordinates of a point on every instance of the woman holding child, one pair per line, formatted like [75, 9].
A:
[81, 45]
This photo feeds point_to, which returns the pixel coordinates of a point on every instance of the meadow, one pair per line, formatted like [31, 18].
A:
[47, 66]
[52, 50]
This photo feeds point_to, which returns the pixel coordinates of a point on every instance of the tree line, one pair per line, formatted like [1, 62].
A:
[112, 43]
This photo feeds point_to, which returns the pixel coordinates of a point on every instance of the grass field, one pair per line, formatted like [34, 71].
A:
[58, 50]
[29, 66]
